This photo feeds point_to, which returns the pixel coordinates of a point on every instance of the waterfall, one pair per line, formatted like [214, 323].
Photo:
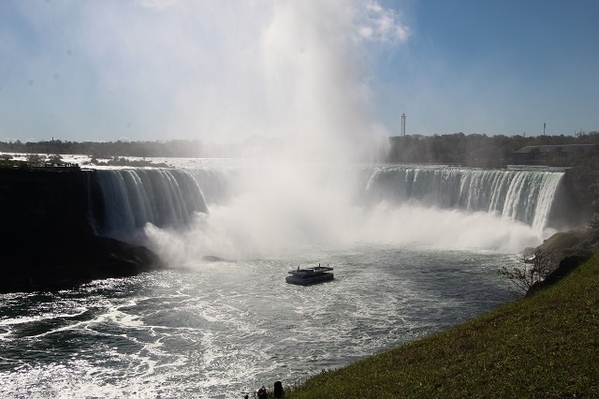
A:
[133, 197]
[520, 195]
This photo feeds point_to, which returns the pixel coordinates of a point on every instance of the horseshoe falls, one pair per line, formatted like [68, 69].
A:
[415, 251]
[254, 209]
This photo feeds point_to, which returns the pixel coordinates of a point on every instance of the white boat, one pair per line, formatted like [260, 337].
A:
[311, 275]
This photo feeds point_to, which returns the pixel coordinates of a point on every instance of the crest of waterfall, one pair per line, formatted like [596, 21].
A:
[521, 195]
[133, 197]
[214, 184]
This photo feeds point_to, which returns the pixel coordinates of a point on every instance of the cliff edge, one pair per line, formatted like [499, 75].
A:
[48, 242]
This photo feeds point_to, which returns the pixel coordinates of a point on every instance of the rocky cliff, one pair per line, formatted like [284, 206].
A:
[48, 242]
[566, 250]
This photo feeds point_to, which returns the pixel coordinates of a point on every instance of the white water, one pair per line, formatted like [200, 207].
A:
[246, 209]
[219, 330]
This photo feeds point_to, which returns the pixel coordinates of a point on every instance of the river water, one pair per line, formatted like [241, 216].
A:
[222, 329]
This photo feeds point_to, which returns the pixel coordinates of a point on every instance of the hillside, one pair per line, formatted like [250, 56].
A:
[543, 346]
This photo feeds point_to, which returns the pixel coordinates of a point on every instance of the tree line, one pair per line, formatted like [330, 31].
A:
[477, 150]
[481, 150]
[110, 149]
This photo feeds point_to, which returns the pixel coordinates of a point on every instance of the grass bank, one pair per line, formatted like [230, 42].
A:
[543, 346]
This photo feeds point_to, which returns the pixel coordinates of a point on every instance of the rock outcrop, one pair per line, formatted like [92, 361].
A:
[48, 242]
[564, 252]
[66, 263]
[565, 267]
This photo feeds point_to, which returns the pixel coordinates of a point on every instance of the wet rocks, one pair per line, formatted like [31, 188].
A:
[53, 264]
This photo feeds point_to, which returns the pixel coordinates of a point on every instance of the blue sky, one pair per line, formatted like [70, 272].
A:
[223, 71]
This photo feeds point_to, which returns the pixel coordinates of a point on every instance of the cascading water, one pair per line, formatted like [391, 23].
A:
[520, 195]
[133, 197]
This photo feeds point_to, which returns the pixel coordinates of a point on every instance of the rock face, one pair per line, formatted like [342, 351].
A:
[566, 266]
[48, 242]
[44, 202]
[60, 264]
[566, 251]
[580, 243]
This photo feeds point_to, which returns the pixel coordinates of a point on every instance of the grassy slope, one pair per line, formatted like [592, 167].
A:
[544, 346]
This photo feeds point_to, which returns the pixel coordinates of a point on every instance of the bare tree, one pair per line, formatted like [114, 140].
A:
[534, 269]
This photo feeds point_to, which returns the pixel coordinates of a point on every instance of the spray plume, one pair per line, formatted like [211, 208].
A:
[317, 101]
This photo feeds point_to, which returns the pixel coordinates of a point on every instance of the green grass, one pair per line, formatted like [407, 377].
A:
[543, 346]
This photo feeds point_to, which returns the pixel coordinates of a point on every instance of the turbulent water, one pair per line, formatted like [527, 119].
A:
[225, 328]
[415, 250]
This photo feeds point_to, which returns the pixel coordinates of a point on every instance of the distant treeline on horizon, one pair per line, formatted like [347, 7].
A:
[457, 148]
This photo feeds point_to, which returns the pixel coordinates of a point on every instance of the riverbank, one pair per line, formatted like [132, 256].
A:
[544, 346]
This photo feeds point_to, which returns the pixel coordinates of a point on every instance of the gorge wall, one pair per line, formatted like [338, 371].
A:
[48, 242]
[44, 202]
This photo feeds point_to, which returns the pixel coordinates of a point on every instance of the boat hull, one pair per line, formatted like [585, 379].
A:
[308, 280]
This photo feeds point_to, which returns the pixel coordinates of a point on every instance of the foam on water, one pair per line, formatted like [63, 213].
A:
[223, 328]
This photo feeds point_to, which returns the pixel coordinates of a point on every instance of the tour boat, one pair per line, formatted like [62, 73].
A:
[310, 275]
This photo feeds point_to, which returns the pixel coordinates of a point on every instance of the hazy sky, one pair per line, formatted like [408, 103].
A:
[220, 71]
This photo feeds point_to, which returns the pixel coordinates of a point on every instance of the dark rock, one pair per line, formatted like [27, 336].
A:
[566, 266]
[45, 202]
[48, 242]
[564, 252]
[52, 265]
[582, 243]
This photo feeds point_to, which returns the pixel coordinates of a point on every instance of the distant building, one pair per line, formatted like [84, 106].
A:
[403, 125]
[535, 154]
